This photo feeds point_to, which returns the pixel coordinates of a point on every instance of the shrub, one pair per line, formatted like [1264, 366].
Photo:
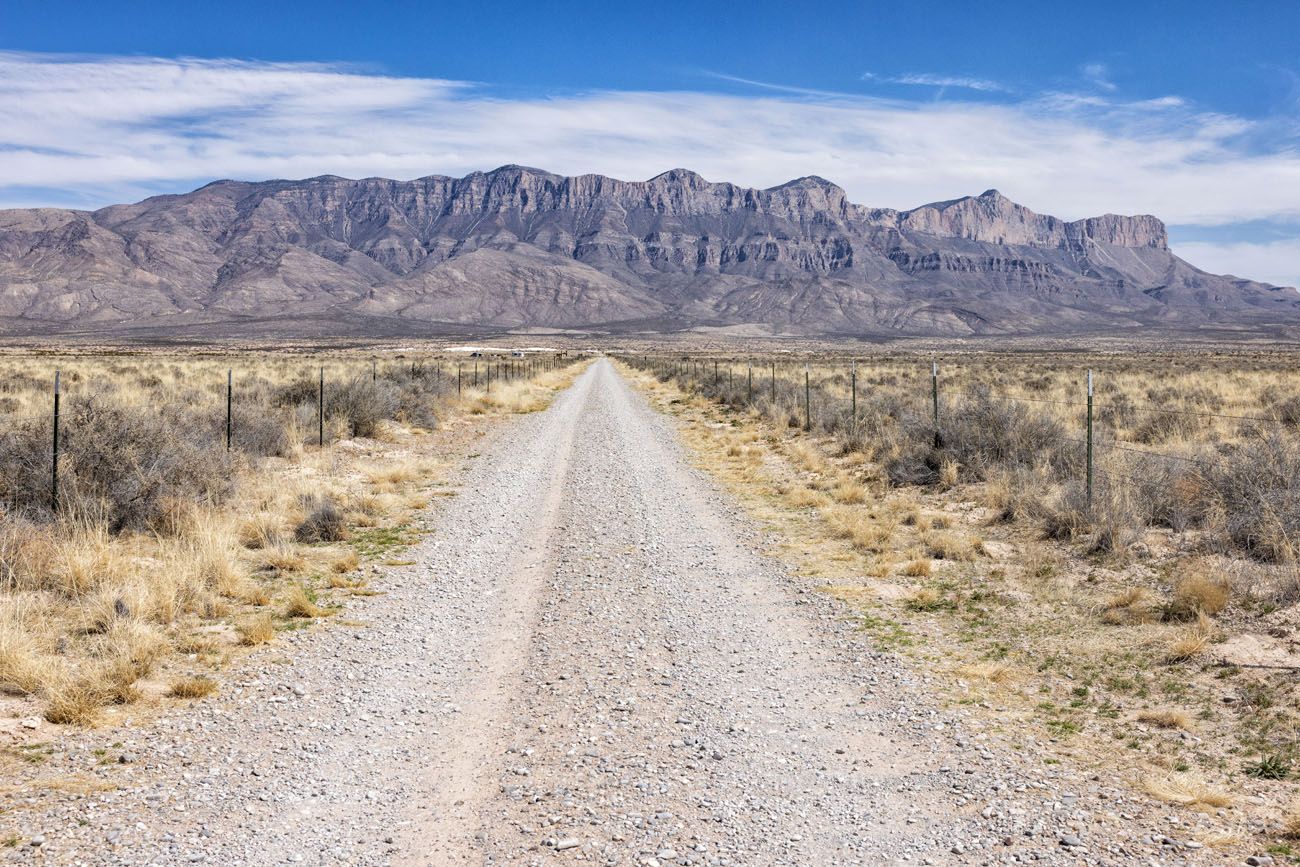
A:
[361, 404]
[127, 465]
[1258, 491]
[323, 522]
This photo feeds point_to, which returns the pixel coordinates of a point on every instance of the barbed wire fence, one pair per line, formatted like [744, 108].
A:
[829, 398]
[446, 379]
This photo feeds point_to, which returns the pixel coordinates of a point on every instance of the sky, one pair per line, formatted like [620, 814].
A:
[1189, 110]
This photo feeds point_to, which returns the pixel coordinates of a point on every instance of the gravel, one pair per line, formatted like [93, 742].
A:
[591, 660]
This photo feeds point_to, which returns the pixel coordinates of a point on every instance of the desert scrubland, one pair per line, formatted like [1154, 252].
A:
[205, 502]
[1146, 630]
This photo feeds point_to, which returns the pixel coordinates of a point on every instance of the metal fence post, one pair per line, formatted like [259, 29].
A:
[459, 377]
[749, 389]
[853, 387]
[1090, 440]
[934, 391]
[230, 399]
[774, 385]
[54, 453]
[807, 400]
[320, 412]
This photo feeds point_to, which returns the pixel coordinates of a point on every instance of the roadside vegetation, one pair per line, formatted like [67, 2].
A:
[170, 548]
[1149, 633]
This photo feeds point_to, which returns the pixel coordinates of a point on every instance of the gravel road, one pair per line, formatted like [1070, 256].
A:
[589, 661]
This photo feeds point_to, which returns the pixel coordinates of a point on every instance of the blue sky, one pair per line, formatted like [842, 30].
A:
[1190, 111]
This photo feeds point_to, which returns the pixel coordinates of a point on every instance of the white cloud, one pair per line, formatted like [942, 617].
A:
[928, 80]
[1099, 75]
[102, 129]
[1276, 262]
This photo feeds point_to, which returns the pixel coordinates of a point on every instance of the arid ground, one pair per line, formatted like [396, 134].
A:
[604, 614]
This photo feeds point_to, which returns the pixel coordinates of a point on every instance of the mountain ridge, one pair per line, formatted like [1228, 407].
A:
[520, 247]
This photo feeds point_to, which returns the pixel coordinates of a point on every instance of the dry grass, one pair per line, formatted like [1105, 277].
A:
[255, 630]
[864, 531]
[925, 599]
[74, 703]
[1187, 791]
[192, 687]
[1191, 641]
[919, 568]
[1200, 591]
[298, 603]
[346, 562]
[1131, 605]
[1087, 618]
[989, 672]
[849, 492]
[1291, 823]
[144, 554]
[1166, 718]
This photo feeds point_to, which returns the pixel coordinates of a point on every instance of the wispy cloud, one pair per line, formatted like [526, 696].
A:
[922, 79]
[1098, 74]
[94, 130]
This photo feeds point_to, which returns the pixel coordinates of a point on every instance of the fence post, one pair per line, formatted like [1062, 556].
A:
[459, 377]
[1089, 440]
[774, 385]
[715, 373]
[230, 399]
[54, 453]
[476, 374]
[374, 371]
[807, 400]
[853, 387]
[749, 390]
[934, 392]
[320, 412]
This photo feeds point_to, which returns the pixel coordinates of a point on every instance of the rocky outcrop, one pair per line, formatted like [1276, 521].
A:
[520, 246]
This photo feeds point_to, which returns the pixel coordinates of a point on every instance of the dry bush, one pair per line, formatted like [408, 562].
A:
[1198, 591]
[1258, 487]
[849, 492]
[74, 702]
[362, 404]
[283, 559]
[262, 530]
[949, 473]
[1158, 427]
[128, 465]
[192, 687]
[346, 562]
[1165, 718]
[917, 569]
[22, 669]
[259, 629]
[324, 521]
[298, 603]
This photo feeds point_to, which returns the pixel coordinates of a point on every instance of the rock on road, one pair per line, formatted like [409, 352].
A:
[589, 661]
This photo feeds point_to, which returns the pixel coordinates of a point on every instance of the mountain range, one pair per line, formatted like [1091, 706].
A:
[523, 249]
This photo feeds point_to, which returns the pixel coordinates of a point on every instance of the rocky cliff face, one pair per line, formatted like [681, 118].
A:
[522, 247]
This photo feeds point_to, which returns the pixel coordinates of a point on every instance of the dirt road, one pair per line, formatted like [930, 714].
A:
[590, 661]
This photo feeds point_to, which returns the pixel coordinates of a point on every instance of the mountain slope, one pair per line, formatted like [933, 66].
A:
[520, 247]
